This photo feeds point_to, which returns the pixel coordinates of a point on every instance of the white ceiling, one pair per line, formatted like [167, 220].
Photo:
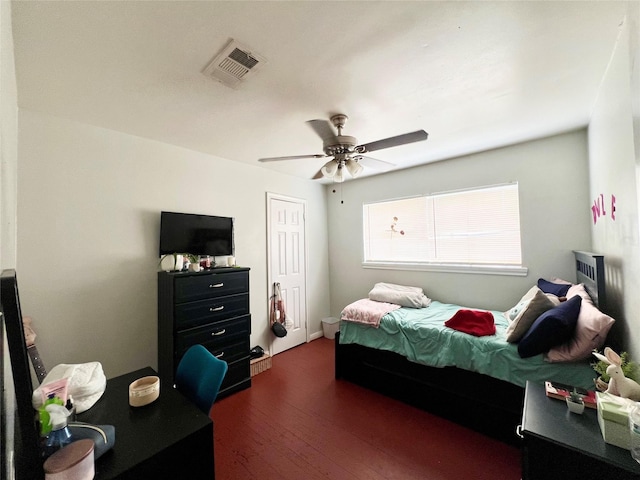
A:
[475, 75]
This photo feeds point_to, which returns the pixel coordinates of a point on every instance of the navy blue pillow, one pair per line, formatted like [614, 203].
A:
[552, 328]
[557, 289]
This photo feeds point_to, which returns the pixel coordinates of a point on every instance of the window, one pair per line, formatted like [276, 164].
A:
[470, 228]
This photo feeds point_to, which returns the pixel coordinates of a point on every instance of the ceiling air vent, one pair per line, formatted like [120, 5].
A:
[234, 64]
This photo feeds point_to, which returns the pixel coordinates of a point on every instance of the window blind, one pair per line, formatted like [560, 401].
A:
[479, 226]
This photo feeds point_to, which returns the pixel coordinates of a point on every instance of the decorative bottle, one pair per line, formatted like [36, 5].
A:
[60, 434]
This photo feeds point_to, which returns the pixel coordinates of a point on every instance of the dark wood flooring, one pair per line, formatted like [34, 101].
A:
[298, 422]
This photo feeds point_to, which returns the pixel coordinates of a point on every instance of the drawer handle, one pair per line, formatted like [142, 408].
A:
[519, 431]
[220, 355]
[216, 285]
[216, 309]
[221, 332]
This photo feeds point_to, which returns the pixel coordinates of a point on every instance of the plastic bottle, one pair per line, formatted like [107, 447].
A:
[60, 434]
[71, 408]
[634, 427]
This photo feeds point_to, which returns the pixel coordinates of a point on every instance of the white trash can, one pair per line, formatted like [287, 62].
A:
[330, 326]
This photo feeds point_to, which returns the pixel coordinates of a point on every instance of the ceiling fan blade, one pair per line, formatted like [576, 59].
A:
[294, 157]
[318, 175]
[417, 136]
[322, 128]
[374, 163]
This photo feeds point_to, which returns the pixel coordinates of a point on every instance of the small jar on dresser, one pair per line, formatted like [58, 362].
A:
[210, 308]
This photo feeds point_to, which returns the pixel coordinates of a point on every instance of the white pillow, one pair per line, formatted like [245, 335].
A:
[406, 296]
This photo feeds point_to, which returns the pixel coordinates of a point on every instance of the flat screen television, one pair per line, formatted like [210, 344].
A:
[196, 234]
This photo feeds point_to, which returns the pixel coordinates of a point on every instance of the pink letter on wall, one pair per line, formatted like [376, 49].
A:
[613, 207]
[598, 210]
[595, 209]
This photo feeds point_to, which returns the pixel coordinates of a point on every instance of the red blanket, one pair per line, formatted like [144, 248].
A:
[473, 322]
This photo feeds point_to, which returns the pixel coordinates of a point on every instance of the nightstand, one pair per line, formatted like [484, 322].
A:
[561, 444]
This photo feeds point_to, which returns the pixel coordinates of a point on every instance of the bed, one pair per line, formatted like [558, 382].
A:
[410, 356]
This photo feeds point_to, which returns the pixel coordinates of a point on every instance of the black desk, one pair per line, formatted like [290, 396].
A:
[169, 438]
[563, 445]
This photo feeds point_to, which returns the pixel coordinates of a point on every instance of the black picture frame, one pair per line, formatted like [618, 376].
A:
[28, 462]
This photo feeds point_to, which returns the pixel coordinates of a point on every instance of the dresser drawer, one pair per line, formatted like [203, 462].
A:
[231, 353]
[194, 314]
[215, 336]
[198, 287]
[237, 372]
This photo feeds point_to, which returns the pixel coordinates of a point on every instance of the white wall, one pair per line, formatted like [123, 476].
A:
[8, 185]
[614, 170]
[89, 202]
[554, 213]
[8, 141]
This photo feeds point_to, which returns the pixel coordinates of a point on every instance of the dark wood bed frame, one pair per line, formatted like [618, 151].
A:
[477, 401]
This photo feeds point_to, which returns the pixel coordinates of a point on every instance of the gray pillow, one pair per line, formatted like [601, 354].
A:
[529, 308]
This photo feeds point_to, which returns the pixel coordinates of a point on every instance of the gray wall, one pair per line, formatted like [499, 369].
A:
[614, 151]
[560, 179]
[552, 174]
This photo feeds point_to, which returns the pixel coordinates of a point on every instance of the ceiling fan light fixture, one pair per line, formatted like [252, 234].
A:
[345, 151]
[354, 167]
[329, 169]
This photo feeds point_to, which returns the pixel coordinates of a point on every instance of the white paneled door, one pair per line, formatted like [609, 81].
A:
[287, 266]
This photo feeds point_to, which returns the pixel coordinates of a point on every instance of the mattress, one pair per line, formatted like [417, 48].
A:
[419, 334]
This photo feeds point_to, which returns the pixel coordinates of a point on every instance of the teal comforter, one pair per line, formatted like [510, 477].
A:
[420, 335]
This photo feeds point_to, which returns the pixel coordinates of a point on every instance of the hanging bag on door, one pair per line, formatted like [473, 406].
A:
[277, 315]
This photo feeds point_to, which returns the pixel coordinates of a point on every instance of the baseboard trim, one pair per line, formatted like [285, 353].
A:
[316, 335]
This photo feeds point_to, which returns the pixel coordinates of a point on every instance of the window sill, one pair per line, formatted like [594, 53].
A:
[450, 268]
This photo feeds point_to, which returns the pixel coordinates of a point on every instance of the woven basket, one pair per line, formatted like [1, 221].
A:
[600, 384]
[259, 365]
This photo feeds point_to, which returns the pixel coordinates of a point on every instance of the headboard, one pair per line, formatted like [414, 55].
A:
[590, 272]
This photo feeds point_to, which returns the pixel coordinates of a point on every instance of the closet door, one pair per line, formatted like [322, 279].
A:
[287, 266]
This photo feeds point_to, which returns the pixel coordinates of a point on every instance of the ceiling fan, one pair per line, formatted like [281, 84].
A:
[346, 153]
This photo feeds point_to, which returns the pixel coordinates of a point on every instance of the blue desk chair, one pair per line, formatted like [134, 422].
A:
[199, 376]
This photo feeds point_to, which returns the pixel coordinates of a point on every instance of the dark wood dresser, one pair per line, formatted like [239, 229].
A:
[210, 308]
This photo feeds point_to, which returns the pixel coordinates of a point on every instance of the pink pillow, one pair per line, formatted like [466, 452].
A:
[591, 330]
